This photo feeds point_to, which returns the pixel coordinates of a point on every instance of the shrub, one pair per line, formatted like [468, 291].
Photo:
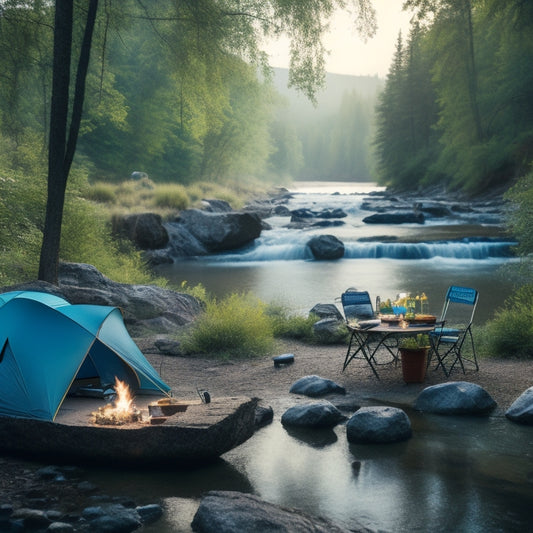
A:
[237, 326]
[171, 196]
[101, 192]
[510, 334]
[290, 326]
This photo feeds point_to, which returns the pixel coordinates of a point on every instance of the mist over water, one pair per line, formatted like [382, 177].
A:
[279, 267]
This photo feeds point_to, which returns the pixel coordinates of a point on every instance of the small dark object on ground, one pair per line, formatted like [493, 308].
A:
[284, 359]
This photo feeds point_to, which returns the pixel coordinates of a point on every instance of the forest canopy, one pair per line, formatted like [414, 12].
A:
[457, 108]
[181, 90]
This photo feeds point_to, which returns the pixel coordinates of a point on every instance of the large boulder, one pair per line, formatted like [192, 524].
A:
[315, 386]
[378, 425]
[145, 230]
[455, 398]
[219, 231]
[146, 308]
[322, 414]
[235, 512]
[326, 247]
[521, 410]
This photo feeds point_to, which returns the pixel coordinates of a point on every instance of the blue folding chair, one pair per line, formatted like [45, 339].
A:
[452, 341]
[360, 319]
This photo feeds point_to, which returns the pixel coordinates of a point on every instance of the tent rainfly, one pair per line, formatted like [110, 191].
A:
[47, 343]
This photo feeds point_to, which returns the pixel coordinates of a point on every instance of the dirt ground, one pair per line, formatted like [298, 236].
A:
[504, 380]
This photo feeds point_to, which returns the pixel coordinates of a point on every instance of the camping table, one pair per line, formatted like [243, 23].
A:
[365, 343]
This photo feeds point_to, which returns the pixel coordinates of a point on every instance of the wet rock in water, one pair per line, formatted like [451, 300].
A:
[377, 425]
[149, 513]
[235, 512]
[263, 416]
[395, 218]
[60, 527]
[113, 518]
[216, 206]
[321, 414]
[455, 398]
[325, 247]
[521, 410]
[31, 519]
[314, 386]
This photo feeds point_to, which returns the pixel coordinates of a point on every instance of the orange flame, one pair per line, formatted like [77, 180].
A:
[124, 398]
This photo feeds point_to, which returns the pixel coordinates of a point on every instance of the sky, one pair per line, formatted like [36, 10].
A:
[349, 54]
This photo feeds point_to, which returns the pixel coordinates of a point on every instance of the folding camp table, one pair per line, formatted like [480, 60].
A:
[365, 343]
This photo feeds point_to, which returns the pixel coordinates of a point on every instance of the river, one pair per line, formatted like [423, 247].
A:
[279, 267]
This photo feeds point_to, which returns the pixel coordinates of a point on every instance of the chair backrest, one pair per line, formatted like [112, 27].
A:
[356, 304]
[464, 296]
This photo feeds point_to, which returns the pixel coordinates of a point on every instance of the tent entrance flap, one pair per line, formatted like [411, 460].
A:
[103, 363]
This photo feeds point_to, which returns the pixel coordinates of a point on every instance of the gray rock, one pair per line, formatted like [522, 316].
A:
[326, 311]
[235, 512]
[112, 518]
[145, 230]
[263, 416]
[321, 414]
[168, 346]
[521, 410]
[31, 518]
[314, 386]
[331, 213]
[221, 231]
[455, 398]
[138, 175]
[325, 247]
[378, 425]
[395, 218]
[60, 527]
[145, 307]
[149, 513]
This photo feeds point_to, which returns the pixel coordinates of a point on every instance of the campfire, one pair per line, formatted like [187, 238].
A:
[121, 411]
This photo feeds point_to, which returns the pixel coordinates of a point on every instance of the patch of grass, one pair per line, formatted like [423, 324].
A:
[236, 326]
[290, 326]
[171, 196]
[101, 192]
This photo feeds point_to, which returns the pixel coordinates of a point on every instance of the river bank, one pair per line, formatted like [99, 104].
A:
[22, 484]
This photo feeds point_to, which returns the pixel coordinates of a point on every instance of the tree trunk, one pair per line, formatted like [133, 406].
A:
[60, 151]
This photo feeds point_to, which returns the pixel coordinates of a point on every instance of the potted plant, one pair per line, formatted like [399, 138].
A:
[414, 356]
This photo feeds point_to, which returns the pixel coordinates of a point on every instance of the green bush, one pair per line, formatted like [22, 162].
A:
[171, 196]
[101, 192]
[510, 334]
[237, 326]
[290, 326]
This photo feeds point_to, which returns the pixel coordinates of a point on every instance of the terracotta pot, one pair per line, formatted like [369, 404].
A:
[414, 363]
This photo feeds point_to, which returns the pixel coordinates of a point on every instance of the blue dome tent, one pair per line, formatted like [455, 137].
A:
[47, 343]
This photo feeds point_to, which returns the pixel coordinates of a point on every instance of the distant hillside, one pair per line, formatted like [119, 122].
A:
[330, 97]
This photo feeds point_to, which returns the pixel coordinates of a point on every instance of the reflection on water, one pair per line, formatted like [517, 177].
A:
[302, 284]
[466, 474]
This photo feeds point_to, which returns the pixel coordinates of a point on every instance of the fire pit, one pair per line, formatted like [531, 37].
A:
[121, 411]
